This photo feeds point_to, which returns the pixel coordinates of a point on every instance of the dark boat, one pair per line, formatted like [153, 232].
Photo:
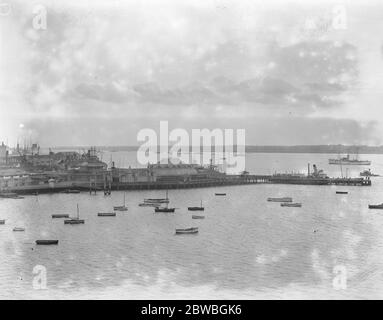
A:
[164, 209]
[194, 216]
[200, 208]
[341, 192]
[56, 216]
[75, 220]
[196, 208]
[375, 206]
[106, 214]
[121, 208]
[160, 200]
[285, 199]
[220, 194]
[297, 204]
[18, 229]
[187, 230]
[47, 242]
[2, 221]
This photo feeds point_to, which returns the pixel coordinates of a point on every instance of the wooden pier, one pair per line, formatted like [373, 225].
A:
[228, 180]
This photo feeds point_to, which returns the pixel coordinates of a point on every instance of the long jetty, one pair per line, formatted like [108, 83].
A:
[228, 180]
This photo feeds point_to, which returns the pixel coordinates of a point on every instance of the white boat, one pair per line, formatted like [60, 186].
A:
[347, 161]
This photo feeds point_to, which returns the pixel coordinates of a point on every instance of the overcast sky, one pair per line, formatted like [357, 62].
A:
[102, 70]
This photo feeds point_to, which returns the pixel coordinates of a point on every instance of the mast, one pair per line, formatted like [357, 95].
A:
[78, 213]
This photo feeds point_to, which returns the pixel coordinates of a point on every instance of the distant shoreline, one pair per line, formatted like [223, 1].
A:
[326, 149]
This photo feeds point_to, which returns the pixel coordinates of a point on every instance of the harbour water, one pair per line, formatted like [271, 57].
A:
[246, 247]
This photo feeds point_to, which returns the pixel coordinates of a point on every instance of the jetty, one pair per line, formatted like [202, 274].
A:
[88, 173]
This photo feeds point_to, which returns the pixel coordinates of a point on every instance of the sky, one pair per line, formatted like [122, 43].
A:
[288, 72]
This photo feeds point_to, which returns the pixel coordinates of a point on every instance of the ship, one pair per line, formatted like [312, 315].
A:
[348, 161]
[368, 173]
[316, 177]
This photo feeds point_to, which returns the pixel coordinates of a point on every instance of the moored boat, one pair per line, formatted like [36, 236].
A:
[106, 214]
[196, 208]
[375, 206]
[348, 161]
[160, 200]
[121, 208]
[60, 215]
[75, 220]
[164, 209]
[187, 230]
[194, 216]
[18, 229]
[200, 208]
[341, 192]
[220, 194]
[285, 204]
[2, 221]
[47, 242]
[284, 199]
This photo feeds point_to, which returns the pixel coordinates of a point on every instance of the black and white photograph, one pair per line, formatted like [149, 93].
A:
[191, 150]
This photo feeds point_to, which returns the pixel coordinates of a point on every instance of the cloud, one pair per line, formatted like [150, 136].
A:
[181, 60]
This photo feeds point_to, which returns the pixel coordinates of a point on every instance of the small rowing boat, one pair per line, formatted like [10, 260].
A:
[187, 230]
[341, 192]
[220, 194]
[61, 215]
[159, 200]
[47, 242]
[18, 229]
[284, 199]
[291, 204]
[164, 209]
[194, 216]
[106, 214]
[375, 206]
